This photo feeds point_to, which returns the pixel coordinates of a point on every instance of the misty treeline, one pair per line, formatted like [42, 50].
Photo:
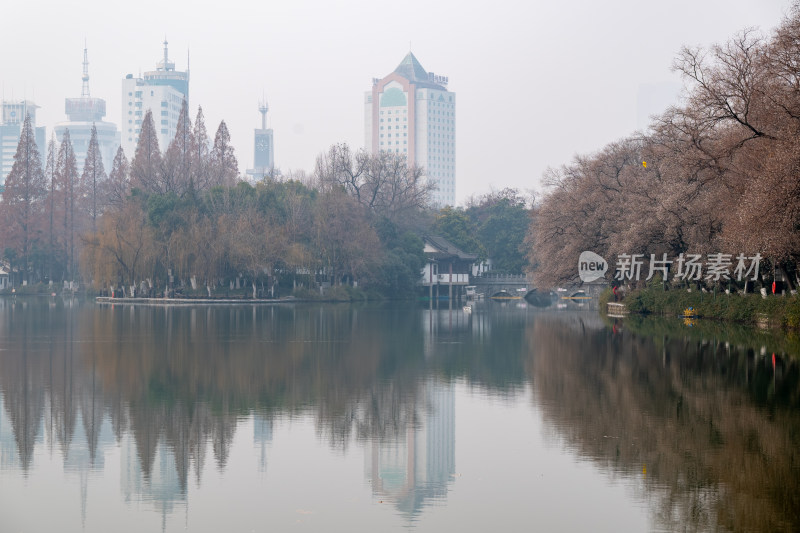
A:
[184, 219]
[722, 169]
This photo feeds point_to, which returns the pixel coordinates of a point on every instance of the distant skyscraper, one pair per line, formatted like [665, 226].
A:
[162, 91]
[11, 120]
[83, 113]
[264, 154]
[411, 112]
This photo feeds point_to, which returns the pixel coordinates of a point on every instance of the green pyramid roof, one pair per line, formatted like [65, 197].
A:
[411, 69]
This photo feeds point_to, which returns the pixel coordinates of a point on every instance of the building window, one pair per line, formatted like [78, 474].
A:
[164, 122]
[164, 131]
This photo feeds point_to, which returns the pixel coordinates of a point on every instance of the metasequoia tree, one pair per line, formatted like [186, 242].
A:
[224, 168]
[68, 201]
[93, 178]
[118, 185]
[178, 158]
[146, 166]
[50, 183]
[24, 194]
[200, 171]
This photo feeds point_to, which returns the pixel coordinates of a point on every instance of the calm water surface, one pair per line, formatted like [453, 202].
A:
[389, 417]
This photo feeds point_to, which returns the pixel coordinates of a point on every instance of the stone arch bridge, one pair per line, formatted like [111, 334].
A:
[490, 284]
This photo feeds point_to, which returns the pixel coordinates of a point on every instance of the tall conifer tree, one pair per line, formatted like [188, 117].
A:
[68, 190]
[50, 183]
[118, 180]
[24, 194]
[225, 169]
[178, 159]
[146, 171]
[200, 158]
[94, 175]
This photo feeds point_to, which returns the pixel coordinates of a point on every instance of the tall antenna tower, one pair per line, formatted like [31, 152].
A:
[85, 77]
[263, 107]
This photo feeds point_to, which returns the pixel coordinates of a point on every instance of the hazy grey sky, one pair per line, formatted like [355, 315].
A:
[536, 82]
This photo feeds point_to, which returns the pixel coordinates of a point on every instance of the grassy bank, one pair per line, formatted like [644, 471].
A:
[779, 311]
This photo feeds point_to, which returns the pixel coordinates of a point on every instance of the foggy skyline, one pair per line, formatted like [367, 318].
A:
[537, 82]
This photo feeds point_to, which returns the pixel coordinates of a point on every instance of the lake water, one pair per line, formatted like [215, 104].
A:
[298, 417]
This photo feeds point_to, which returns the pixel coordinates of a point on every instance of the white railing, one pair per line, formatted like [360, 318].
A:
[444, 279]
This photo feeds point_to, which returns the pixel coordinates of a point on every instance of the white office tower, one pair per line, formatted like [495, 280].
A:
[162, 91]
[12, 118]
[411, 112]
[83, 113]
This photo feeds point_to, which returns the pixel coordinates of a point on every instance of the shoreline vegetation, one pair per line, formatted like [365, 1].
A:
[773, 311]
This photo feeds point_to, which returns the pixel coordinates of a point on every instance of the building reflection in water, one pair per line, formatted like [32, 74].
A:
[417, 465]
[161, 486]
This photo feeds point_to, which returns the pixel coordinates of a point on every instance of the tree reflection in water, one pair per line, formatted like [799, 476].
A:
[716, 428]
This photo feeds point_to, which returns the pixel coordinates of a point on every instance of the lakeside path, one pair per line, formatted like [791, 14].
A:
[191, 301]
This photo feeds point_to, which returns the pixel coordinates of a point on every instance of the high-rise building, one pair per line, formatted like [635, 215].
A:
[11, 121]
[162, 91]
[411, 112]
[83, 113]
[264, 154]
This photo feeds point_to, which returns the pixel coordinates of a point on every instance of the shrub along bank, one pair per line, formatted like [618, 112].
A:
[783, 311]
